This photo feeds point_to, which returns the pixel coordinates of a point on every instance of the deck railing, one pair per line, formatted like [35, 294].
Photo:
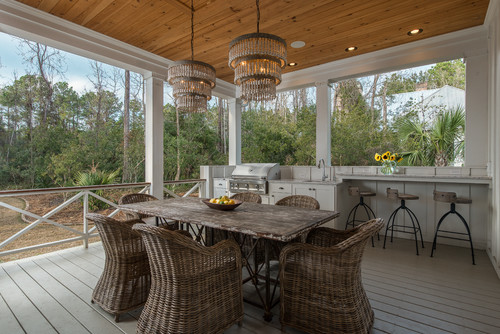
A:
[83, 192]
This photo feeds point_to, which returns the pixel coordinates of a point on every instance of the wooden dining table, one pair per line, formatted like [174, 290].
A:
[264, 223]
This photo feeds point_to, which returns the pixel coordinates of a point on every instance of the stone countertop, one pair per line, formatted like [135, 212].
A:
[417, 178]
[298, 181]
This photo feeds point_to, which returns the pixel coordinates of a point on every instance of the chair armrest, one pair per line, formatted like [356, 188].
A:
[327, 237]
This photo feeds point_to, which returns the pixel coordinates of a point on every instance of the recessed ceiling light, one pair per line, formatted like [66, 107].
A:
[351, 48]
[292, 64]
[298, 44]
[415, 32]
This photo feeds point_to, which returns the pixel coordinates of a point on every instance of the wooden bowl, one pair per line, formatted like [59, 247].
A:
[223, 207]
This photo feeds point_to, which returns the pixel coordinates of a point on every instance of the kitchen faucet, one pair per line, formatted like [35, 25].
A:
[324, 176]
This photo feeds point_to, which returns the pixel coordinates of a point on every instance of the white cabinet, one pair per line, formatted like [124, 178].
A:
[324, 194]
[278, 191]
[220, 187]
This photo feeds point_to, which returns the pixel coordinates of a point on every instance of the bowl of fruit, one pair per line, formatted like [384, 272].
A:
[222, 203]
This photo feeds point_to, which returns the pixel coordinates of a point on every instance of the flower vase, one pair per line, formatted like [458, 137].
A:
[388, 167]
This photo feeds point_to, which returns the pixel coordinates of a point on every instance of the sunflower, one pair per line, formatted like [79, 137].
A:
[385, 156]
[378, 157]
[400, 159]
[393, 157]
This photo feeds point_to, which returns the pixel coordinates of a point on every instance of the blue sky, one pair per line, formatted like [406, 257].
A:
[11, 61]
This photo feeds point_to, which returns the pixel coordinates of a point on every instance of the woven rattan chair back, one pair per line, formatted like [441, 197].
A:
[332, 260]
[445, 196]
[194, 289]
[353, 191]
[248, 197]
[136, 198]
[126, 279]
[300, 201]
[392, 193]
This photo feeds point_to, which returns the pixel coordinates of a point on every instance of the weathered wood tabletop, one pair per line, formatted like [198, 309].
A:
[274, 222]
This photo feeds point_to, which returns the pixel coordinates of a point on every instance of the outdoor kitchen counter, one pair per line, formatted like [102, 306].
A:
[428, 211]
[416, 178]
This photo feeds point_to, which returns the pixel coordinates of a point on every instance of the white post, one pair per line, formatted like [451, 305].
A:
[476, 106]
[85, 221]
[323, 121]
[154, 134]
[234, 131]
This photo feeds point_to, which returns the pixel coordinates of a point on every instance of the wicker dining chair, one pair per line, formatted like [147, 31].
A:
[320, 281]
[300, 201]
[248, 197]
[126, 279]
[137, 198]
[194, 289]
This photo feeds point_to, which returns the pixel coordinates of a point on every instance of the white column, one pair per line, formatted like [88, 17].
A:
[154, 134]
[234, 131]
[476, 106]
[323, 123]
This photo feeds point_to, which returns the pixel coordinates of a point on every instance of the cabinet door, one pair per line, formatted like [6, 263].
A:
[279, 190]
[325, 195]
[301, 189]
[273, 198]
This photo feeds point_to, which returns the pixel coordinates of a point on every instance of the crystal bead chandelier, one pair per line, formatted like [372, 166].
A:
[192, 81]
[257, 60]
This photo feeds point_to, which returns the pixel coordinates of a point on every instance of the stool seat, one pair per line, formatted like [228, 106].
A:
[367, 194]
[463, 200]
[408, 197]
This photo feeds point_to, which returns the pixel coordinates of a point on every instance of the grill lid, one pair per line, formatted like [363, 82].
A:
[260, 171]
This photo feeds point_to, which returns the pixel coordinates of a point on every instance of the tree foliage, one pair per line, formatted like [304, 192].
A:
[50, 135]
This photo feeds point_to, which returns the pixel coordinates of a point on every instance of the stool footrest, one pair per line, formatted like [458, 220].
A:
[462, 233]
[401, 231]
[448, 237]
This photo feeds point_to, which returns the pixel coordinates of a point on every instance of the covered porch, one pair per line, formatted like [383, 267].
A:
[445, 294]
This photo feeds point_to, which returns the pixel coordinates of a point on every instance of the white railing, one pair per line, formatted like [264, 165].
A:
[81, 193]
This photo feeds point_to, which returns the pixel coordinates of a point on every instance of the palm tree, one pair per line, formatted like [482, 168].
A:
[447, 136]
[439, 145]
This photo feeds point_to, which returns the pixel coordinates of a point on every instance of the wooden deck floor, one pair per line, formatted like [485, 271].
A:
[409, 293]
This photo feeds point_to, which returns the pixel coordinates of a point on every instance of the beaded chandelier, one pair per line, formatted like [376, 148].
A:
[192, 81]
[257, 60]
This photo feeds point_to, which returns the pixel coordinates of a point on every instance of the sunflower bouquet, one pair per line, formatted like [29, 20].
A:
[389, 161]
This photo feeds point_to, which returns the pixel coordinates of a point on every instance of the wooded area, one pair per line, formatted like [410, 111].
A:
[50, 134]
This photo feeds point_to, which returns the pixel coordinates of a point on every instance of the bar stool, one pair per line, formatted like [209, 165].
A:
[354, 191]
[415, 227]
[451, 197]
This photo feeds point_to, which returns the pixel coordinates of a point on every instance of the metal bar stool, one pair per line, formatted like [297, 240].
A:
[451, 197]
[354, 191]
[414, 228]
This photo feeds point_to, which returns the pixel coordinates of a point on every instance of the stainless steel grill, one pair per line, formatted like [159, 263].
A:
[253, 177]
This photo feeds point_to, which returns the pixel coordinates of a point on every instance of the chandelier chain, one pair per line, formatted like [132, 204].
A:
[258, 15]
[192, 29]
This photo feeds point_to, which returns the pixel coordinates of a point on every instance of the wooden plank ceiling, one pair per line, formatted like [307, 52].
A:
[327, 27]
